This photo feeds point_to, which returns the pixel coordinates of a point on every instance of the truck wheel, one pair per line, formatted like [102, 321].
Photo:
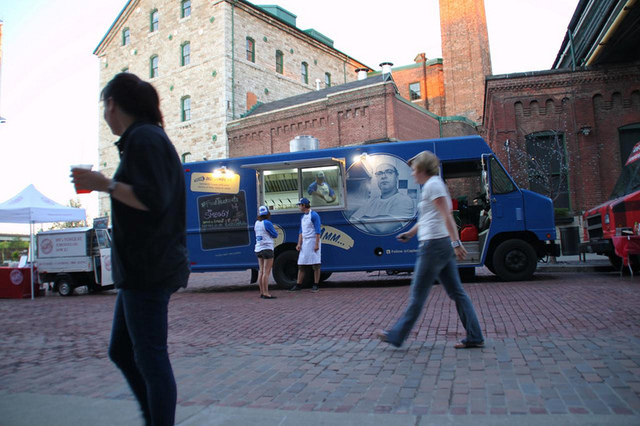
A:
[285, 269]
[64, 285]
[515, 260]
[324, 276]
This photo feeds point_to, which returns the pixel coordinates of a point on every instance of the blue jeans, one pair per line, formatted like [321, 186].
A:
[436, 259]
[139, 349]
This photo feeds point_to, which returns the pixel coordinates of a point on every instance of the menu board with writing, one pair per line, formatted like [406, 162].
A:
[223, 221]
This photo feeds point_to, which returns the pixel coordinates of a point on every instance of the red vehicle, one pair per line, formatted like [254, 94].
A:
[618, 216]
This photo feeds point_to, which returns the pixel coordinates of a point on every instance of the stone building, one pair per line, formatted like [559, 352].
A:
[581, 118]
[211, 62]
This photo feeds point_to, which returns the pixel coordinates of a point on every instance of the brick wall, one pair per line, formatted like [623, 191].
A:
[465, 56]
[369, 114]
[600, 100]
[429, 75]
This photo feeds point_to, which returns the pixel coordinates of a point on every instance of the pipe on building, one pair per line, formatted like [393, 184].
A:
[610, 32]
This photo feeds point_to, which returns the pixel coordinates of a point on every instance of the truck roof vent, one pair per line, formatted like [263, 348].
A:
[303, 143]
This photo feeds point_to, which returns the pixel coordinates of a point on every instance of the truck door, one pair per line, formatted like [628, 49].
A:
[504, 196]
[102, 262]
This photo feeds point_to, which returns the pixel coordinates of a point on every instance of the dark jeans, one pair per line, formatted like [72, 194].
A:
[436, 259]
[139, 349]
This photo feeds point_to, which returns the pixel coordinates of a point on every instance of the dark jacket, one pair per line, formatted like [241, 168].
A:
[149, 247]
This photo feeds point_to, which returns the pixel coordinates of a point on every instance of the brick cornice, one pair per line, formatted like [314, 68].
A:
[556, 80]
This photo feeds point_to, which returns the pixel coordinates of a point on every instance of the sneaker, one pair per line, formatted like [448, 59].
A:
[295, 288]
[467, 345]
[383, 336]
[315, 289]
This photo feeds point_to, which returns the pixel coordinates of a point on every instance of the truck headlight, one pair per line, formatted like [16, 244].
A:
[606, 218]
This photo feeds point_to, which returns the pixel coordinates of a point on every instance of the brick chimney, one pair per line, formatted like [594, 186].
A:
[466, 59]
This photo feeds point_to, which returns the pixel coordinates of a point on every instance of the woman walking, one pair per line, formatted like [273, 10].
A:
[265, 234]
[439, 246]
[148, 254]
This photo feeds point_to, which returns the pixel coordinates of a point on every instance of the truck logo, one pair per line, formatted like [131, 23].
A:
[107, 262]
[16, 277]
[335, 237]
[46, 245]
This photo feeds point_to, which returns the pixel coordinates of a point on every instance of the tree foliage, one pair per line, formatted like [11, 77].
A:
[75, 224]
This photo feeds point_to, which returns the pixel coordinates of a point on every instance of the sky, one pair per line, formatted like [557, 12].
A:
[49, 83]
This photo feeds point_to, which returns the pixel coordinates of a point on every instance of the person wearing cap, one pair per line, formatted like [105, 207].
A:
[389, 212]
[308, 245]
[437, 251]
[265, 234]
[320, 191]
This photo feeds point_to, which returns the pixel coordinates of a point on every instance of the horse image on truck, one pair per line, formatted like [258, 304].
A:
[365, 196]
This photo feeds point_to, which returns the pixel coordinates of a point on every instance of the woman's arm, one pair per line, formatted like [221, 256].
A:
[445, 211]
[96, 181]
[406, 236]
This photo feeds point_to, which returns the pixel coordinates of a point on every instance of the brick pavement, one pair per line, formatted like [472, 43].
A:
[561, 344]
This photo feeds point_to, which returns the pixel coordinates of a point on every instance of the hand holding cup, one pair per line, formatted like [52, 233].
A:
[76, 171]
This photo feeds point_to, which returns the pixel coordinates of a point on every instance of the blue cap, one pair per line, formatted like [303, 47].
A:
[263, 210]
[304, 201]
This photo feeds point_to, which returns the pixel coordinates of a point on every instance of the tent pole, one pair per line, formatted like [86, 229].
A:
[31, 252]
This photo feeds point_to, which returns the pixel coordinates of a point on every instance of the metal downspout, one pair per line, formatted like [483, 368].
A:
[233, 62]
[571, 49]
[344, 70]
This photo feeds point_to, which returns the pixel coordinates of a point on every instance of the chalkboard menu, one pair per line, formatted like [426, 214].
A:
[223, 220]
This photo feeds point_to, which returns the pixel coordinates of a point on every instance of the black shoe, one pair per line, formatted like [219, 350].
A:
[262, 296]
[315, 289]
[269, 297]
[295, 288]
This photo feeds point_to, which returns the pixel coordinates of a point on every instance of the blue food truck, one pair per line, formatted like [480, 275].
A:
[365, 196]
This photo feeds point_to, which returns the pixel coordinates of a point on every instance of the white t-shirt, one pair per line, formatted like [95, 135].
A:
[431, 224]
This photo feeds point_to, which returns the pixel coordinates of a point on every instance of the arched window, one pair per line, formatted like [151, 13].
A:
[548, 166]
[304, 72]
[186, 8]
[186, 54]
[327, 79]
[628, 137]
[126, 37]
[279, 62]
[251, 49]
[154, 17]
[185, 108]
[153, 66]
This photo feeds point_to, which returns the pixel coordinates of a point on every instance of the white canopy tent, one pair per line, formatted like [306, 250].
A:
[31, 206]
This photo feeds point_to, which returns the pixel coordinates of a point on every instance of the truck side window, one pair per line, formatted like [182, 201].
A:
[500, 181]
[281, 189]
[322, 186]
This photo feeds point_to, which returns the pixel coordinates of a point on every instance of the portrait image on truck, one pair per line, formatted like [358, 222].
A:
[374, 197]
[75, 257]
[617, 216]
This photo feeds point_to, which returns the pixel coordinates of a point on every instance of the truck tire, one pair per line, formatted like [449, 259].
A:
[324, 276]
[64, 284]
[515, 260]
[285, 269]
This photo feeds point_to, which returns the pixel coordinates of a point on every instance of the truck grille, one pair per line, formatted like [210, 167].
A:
[594, 226]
